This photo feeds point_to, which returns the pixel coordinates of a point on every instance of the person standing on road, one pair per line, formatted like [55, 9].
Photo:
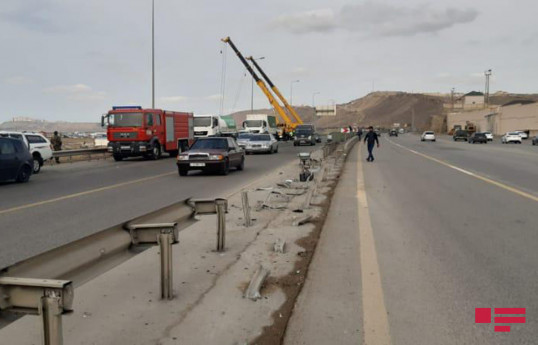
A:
[359, 133]
[371, 139]
[56, 142]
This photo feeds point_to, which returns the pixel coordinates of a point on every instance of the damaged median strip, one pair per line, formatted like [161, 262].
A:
[209, 284]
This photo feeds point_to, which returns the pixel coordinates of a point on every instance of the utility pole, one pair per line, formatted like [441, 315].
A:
[314, 98]
[252, 89]
[291, 90]
[413, 119]
[487, 74]
[153, 54]
[452, 97]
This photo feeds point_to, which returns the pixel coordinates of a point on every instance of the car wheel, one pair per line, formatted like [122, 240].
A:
[24, 174]
[118, 158]
[226, 169]
[242, 165]
[38, 162]
[183, 171]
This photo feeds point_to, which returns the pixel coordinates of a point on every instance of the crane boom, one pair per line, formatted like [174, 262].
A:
[276, 91]
[261, 84]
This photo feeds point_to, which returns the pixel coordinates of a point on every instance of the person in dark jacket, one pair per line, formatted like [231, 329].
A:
[371, 139]
[56, 142]
[359, 133]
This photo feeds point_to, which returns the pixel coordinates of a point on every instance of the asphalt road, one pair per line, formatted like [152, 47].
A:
[449, 241]
[70, 201]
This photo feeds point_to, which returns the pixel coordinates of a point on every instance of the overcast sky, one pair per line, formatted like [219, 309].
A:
[72, 59]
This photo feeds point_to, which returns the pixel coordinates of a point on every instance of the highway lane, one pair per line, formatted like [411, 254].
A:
[448, 242]
[515, 165]
[70, 201]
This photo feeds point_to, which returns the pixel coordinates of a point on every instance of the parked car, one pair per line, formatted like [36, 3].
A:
[523, 134]
[16, 162]
[511, 137]
[211, 154]
[488, 135]
[393, 133]
[460, 134]
[427, 136]
[38, 145]
[401, 131]
[266, 143]
[243, 138]
[478, 137]
[535, 140]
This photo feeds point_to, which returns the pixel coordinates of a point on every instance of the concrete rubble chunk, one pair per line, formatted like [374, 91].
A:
[302, 220]
[253, 290]
[279, 246]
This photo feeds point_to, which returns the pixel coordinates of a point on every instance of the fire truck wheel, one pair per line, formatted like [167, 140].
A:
[156, 151]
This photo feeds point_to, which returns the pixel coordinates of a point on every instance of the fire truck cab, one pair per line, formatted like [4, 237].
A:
[133, 131]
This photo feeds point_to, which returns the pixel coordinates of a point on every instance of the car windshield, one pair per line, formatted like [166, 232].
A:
[219, 144]
[202, 121]
[125, 120]
[244, 136]
[253, 123]
[480, 135]
[513, 133]
[428, 133]
[303, 132]
[260, 138]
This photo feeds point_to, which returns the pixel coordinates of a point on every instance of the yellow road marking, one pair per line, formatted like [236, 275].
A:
[376, 325]
[485, 179]
[71, 196]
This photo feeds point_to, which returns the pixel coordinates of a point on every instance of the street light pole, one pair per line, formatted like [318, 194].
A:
[153, 54]
[252, 89]
[487, 74]
[313, 98]
[291, 90]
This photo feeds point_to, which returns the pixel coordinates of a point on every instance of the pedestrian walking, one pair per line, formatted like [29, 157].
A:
[359, 133]
[371, 139]
[56, 142]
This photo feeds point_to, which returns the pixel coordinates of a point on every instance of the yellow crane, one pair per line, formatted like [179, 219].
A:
[298, 120]
[288, 124]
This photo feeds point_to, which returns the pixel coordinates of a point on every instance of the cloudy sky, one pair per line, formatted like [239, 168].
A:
[72, 59]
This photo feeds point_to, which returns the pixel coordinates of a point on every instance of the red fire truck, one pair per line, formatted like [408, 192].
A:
[133, 131]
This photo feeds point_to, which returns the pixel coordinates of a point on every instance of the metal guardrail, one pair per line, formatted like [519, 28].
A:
[30, 286]
[81, 152]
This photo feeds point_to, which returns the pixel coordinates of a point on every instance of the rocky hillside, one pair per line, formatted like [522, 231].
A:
[48, 127]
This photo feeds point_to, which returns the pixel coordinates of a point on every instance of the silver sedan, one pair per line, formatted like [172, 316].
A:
[262, 143]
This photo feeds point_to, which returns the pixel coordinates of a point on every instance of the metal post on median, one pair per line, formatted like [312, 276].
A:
[221, 224]
[51, 314]
[246, 208]
[166, 239]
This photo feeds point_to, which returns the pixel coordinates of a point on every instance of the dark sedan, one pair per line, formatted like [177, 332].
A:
[535, 140]
[211, 154]
[460, 134]
[478, 138]
[16, 162]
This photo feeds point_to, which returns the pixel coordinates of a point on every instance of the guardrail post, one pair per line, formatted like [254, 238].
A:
[51, 315]
[221, 224]
[246, 208]
[165, 239]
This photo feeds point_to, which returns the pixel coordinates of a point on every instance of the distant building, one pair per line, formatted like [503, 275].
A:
[25, 119]
[473, 100]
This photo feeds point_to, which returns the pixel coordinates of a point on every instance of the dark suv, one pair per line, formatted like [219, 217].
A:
[478, 137]
[16, 162]
[216, 154]
[460, 134]
[393, 133]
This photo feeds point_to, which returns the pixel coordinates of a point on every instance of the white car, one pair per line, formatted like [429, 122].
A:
[37, 144]
[511, 137]
[489, 136]
[523, 134]
[428, 135]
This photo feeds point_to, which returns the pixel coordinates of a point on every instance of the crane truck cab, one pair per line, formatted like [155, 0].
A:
[133, 131]
[213, 125]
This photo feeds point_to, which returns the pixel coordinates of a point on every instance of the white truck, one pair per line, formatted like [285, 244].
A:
[261, 123]
[213, 125]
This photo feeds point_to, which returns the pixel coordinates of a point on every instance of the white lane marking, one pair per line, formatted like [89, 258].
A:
[376, 325]
[467, 172]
